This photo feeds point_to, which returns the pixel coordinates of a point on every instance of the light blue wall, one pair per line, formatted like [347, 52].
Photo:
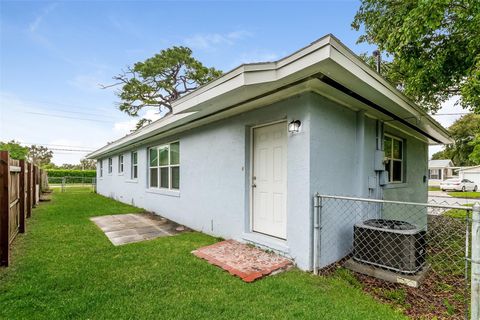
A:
[323, 157]
[342, 162]
[214, 184]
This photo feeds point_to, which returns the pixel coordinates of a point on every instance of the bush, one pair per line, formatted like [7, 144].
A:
[71, 173]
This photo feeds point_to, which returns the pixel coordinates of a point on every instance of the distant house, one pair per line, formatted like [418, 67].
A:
[470, 173]
[439, 170]
[243, 156]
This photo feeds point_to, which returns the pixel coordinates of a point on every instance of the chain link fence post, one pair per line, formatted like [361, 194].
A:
[316, 233]
[63, 184]
[475, 259]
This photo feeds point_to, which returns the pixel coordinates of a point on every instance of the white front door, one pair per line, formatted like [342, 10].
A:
[269, 180]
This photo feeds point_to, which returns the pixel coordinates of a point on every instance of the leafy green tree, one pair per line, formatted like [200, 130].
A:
[432, 47]
[474, 156]
[465, 133]
[160, 80]
[442, 154]
[40, 155]
[15, 149]
[88, 164]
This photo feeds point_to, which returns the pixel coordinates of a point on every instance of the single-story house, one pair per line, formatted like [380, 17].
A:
[470, 173]
[242, 156]
[439, 170]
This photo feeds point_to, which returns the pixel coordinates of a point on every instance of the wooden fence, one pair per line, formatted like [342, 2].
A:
[20, 183]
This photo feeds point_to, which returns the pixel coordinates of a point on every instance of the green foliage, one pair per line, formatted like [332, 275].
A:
[440, 155]
[160, 80]
[66, 268]
[474, 156]
[458, 213]
[15, 149]
[463, 152]
[40, 155]
[433, 47]
[70, 173]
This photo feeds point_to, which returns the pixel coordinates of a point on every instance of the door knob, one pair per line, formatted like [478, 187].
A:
[254, 185]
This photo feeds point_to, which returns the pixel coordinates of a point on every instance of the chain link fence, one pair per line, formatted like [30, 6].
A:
[412, 255]
[72, 184]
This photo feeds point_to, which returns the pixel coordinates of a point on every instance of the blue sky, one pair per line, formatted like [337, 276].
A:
[54, 55]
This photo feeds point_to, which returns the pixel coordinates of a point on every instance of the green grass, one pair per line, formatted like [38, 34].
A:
[458, 213]
[433, 188]
[469, 195]
[65, 268]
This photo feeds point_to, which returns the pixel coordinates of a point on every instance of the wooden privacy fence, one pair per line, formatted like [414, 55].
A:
[20, 183]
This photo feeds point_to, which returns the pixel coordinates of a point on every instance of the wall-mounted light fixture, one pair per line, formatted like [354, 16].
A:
[294, 126]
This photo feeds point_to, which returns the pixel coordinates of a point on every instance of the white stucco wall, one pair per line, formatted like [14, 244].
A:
[341, 166]
[323, 157]
[214, 179]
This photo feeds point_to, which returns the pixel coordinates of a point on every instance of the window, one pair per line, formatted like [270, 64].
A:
[100, 170]
[164, 166]
[394, 158]
[110, 165]
[435, 174]
[120, 163]
[134, 157]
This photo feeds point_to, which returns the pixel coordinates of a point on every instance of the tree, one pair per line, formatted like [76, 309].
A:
[474, 156]
[465, 133]
[40, 155]
[160, 80]
[88, 164]
[442, 154]
[15, 149]
[433, 47]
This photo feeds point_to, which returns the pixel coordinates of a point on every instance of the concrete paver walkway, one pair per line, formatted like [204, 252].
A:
[247, 262]
[127, 228]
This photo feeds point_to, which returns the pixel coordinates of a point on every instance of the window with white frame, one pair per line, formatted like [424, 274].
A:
[164, 166]
[134, 169]
[100, 170]
[110, 165]
[120, 163]
[435, 174]
[394, 164]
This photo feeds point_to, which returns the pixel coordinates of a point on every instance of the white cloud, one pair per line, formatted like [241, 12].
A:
[87, 82]
[60, 133]
[448, 106]
[35, 24]
[213, 40]
[125, 127]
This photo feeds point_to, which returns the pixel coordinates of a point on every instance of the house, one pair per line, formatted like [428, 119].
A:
[439, 170]
[242, 156]
[470, 173]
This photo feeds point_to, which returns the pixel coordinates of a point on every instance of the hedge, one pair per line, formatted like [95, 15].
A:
[70, 173]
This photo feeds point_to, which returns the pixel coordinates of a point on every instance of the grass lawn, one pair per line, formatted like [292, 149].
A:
[65, 268]
[469, 195]
[433, 188]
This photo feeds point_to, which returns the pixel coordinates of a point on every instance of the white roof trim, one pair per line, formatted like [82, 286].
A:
[261, 77]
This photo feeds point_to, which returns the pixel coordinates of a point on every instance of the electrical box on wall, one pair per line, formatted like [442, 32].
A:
[379, 157]
[383, 177]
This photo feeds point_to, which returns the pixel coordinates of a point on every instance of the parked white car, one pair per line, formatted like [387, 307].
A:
[458, 185]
